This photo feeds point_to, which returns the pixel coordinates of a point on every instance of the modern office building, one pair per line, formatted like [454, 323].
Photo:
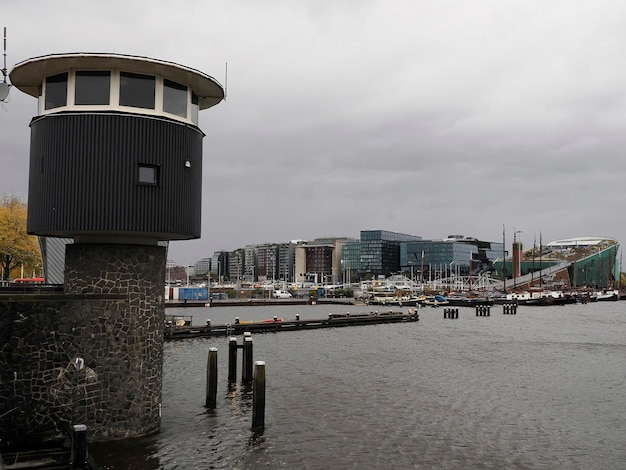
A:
[267, 262]
[350, 261]
[454, 255]
[380, 252]
[319, 261]
[236, 264]
[220, 266]
[264, 262]
[202, 267]
[286, 261]
[250, 263]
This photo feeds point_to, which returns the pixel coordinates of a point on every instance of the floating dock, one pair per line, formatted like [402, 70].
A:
[184, 329]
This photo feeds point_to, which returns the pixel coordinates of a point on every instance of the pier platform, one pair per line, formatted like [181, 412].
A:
[270, 326]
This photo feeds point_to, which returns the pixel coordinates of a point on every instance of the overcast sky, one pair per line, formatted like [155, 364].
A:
[424, 117]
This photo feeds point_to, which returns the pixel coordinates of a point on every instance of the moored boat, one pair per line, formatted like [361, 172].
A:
[607, 295]
[436, 301]
[254, 322]
[461, 300]
[540, 297]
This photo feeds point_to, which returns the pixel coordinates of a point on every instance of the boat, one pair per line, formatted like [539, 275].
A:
[392, 299]
[607, 295]
[436, 300]
[542, 297]
[465, 300]
[256, 322]
[178, 321]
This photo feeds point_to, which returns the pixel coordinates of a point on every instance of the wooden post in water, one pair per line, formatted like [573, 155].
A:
[232, 359]
[211, 379]
[79, 446]
[247, 363]
[258, 396]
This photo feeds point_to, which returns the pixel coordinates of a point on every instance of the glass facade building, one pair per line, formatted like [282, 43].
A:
[203, 266]
[350, 260]
[432, 255]
[220, 265]
[460, 256]
[380, 251]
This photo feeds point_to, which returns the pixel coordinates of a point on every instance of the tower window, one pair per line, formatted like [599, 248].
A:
[194, 108]
[56, 91]
[174, 98]
[92, 87]
[137, 90]
[148, 174]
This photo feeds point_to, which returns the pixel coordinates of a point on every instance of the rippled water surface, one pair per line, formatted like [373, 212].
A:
[541, 389]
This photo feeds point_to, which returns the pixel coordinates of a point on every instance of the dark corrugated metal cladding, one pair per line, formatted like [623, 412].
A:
[84, 176]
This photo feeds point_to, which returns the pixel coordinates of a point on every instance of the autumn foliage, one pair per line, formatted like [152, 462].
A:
[17, 248]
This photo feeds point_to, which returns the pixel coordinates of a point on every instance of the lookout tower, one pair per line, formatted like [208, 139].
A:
[116, 152]
[116, 165]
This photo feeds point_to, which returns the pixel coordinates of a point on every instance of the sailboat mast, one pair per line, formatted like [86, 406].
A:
[540, 263]
[504, 257]
[532, 275]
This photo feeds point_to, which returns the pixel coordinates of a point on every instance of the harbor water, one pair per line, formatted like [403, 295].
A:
[542, 389]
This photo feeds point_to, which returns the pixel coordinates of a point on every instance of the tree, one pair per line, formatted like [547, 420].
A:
[17, 248]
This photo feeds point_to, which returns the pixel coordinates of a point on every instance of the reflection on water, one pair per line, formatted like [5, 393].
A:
[541, 389]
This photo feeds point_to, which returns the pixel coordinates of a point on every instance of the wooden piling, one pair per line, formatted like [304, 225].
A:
[247, 366]
[79, 446]
[483, 310]
[451, 313]
[232, 359]
[510, 309]
[211, 379]
[258, 392]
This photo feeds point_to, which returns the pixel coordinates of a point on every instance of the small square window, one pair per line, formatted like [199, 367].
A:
[148, 174]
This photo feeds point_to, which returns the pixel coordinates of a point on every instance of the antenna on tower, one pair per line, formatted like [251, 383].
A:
[4, 86]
